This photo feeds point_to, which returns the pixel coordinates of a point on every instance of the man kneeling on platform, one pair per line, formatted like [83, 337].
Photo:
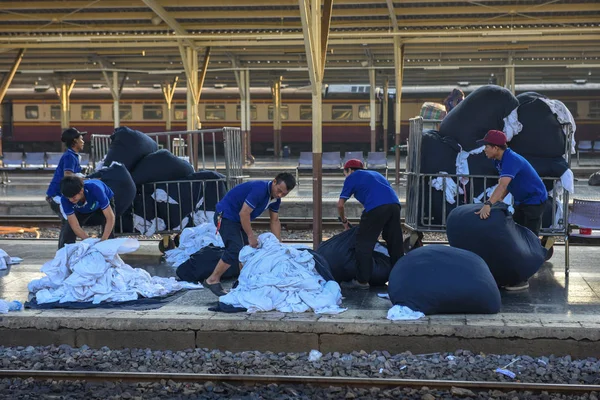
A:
[243, 204]
[86, 203]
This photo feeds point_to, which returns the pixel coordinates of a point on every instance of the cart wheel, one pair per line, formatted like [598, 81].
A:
[176, 239]
[414, 241]
[548, 246]
[550, 253]
[166, 243]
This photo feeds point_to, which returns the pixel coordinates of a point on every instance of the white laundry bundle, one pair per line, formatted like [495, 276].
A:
[192, 240]
[6, 260]
[91, 270]
[283, 278]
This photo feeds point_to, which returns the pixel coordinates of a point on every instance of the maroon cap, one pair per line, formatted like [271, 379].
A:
[354, 163]
[496, 138]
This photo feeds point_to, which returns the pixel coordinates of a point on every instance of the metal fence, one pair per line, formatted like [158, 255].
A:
[419, 192]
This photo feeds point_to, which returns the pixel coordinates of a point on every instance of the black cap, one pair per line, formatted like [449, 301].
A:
[70, 134]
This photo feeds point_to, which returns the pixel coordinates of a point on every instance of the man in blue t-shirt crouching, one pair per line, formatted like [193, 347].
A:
[380, 216]
[518, 178]
[86, 203]
[243, 204]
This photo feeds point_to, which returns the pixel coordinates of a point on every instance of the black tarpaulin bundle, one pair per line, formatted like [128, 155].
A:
[160, 166]
[128, 147]
[118, 179]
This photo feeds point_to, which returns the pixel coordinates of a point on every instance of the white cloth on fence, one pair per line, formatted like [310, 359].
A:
[462, 164]
[160, 196]
[283, 278]
[92, 270]
[512, 126]
[403, 313]
[451, 189]
[568, 181]
[192, 240]
[148, 228]
[508, 199]
[564, 116]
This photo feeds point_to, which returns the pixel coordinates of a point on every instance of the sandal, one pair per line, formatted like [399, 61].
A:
[215, 288]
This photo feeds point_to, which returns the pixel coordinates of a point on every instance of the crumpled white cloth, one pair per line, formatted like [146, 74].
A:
[508, 199]
[148, 228]
[283, 278]
[568, 181]
[399, 313]
[564, 116]
[451, 188]
[56, 199]
[92, 270]
[192, 240]
[512, 126]
[462, 165]
[6, 260]
[160, 196]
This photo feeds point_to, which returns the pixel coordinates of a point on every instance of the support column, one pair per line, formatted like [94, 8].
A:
[248, 135]
[7, 81]
[384, 104]
[372, 107]
[277, 117]
[168, 90]
[399, 72]
[64, 94]
[115, 90]
[510, 74]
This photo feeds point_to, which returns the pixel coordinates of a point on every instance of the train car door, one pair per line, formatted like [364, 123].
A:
[7, 120]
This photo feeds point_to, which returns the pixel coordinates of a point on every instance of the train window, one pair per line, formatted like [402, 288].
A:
[306, 112]
[152, 111]
[214, 112]
[572, 106]
[55, 113]
[125, 112]
[594, 109]
[32, 112]
[91, 113]
[238, 112]
[285, 112]
[341, 112]
[180, 112]
[364, 112]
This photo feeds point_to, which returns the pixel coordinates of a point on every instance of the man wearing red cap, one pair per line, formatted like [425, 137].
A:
[381, 214]
[519, 178]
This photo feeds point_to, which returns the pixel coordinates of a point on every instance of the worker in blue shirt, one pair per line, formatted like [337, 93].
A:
[518, 178]
[86, 203]
[233, 217]
[68, 165]
[380, 216]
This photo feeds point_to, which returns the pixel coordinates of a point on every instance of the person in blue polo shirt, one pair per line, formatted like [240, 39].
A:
[239, 207]
[68, 165]
[518, 178]
[86, 203]
[381, 215]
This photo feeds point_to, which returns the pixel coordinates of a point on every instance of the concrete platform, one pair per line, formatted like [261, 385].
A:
[555, 316]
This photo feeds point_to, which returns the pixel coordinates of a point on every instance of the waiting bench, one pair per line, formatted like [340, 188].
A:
[331, 161]
[33, 161]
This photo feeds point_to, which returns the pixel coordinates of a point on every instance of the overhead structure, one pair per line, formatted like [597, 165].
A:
[276, 92]
[63, 91]
[7, 80]
[116, 89]
[168, 89]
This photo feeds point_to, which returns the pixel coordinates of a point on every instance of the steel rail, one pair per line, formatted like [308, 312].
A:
[297, 380]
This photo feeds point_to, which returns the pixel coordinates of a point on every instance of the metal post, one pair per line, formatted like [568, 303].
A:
[372, 107]
[277, 117]
[399, 71]
[64, 94]
[248, 135]
[116, 98]
[384, 104]
[8, 80]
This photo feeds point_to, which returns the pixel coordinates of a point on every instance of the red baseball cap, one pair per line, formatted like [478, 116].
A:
[493, 137]
[354, 163]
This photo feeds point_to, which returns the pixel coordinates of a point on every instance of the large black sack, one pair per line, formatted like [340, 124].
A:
[512, 252]
[118, 179]
[321, 265]
[439, 279]
[143, 206]
[479, 164]
[542, 134]
[547, 217]
[482, 110]
[128, 147]
[594, 179]
[549, 167]
[382, 267]
[202, 264]
[527, 97]
[161, 166]
[438, 154]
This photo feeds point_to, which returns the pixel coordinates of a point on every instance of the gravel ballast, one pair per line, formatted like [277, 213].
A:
[460, 365]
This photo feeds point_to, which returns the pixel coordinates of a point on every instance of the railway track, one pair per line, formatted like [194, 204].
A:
[253, 379]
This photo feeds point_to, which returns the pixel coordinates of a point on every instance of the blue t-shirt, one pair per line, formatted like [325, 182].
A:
[68, 162]
[97, 197]
[526, 186]
[370, 188]
[257, 194]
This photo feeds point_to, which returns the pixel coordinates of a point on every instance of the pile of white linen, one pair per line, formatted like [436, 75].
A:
[283, 278]
[192, 240]
[91, 270]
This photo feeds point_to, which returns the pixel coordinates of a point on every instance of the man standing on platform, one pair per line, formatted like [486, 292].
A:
[519, 178]
[67, 166]
[239, 207]
[381, 214]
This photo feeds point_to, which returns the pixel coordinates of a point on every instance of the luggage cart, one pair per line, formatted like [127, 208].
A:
[229, 143]
[418, 217]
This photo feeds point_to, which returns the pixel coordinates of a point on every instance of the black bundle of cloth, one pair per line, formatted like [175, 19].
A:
[118, 179]
[542, 135]
[202, 264]
[482, 110]
[594, 179]
[479, 164]
[549, 168]
[438, 154]
[512, 252]
[339, 253]
[128, 147]
[444, 280]
[160, 166]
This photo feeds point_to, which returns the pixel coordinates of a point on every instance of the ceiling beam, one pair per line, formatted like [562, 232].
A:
[169, 20]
